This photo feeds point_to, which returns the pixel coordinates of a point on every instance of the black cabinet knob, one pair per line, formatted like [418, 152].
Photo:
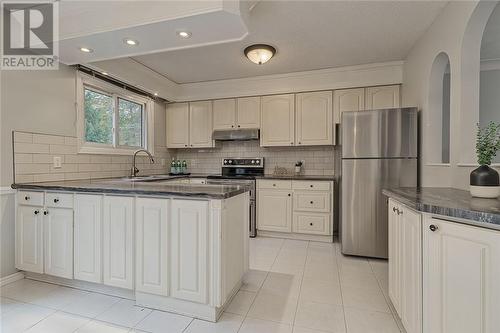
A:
[394, 209]
[433, 227]
[311, 185]
[45, 213]
[36, 212]
[289, 195]
[239, 126]
[56, 200]
[312, 202]
[310, 224]
[26, 198]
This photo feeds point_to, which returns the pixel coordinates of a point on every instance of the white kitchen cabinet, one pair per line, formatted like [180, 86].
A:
[87, 237]
[151, 246]
[382, 97]
[347, 100]
[248, 112]
[405, 265]
[58, 239]
[189, 250]
[118, 241]
[278, 120]
[200, 124]
[177, 125]
[274, 210]
[29, 239]
[314, 124]
[224, 114]
[460, 275]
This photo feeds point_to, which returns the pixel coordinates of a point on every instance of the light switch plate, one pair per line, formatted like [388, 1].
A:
[57, 162]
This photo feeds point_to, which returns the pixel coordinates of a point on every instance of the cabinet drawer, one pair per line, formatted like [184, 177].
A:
[276, 184]
[311, 185]
[310, 223]
[30, 198]
[311, 201]
[64, 200]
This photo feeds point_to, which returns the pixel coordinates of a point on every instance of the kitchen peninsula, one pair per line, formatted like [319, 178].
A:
[181, 248]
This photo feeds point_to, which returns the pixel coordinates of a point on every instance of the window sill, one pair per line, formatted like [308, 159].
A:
[108, 151]
[475, 165]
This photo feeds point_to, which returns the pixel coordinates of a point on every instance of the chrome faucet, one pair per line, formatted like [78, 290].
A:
[134, 171]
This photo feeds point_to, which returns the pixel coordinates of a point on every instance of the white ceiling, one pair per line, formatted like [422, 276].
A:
[308, 35]
[490, 46]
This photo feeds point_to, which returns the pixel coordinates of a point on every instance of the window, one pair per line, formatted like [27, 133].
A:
[112, 120]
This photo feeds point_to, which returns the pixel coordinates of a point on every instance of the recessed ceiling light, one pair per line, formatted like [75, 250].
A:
[131, 42]
[86, 49]
[104, 73]
[259, 53]
[184, 34]
[156, 94]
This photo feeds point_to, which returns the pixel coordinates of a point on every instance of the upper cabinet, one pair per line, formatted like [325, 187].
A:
[314, 123]
[278, 120]
[200, 124]
[189, 125]
[237, 113]
[224, 114]
[177, 125]
[348, 100]
[383, 97]
[248, 112]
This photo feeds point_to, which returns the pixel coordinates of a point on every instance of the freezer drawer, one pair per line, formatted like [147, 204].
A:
[364, 208]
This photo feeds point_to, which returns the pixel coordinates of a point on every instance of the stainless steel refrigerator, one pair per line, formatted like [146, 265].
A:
[379, 150]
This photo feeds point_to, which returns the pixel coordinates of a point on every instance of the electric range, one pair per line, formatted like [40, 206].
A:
[243, 172]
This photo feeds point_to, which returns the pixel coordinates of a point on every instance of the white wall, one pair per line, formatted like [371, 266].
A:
[456, 31]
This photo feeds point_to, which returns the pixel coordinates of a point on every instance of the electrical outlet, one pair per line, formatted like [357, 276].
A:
[57, 162]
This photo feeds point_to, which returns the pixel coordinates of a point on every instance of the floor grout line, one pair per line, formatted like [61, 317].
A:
[300, 286]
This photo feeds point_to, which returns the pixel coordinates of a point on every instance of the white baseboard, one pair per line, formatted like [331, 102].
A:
[11, 278]
[304, 237]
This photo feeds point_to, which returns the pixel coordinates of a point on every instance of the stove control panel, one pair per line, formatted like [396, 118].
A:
[257, 162]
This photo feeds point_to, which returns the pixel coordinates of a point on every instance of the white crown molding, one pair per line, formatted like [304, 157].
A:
[322, 79]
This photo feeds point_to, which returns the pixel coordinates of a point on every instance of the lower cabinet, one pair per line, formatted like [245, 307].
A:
[118, 242]
[87, 237]
[274, 210]
[29, 239]
[151, 246]
[58, 239]
[461, 271]
[189, 250]
[405, 268]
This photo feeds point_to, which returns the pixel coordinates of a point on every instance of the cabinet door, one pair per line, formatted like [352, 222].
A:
[224, 114]
[382, 97]
[87, 237]
[189, 251]
[278, 120]
[461, 274]
[177, 125]
[347, 100]
[118, 241]
[200, 124]
[394, 256]
[274, 210]
[248, 112]
[58, 238]
[29, 239]
[151, 246]
[314, 118]
[411, 270]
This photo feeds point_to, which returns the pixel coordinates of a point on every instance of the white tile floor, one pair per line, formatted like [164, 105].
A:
[293, 286]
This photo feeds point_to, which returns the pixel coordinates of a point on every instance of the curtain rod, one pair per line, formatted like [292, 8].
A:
[118, 83]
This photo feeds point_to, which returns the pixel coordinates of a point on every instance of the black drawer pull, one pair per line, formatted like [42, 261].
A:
[433, 227]
[56, 200]
[311, 224]
[45, 213]
[27, 198]
[36, 212]
[312, 202]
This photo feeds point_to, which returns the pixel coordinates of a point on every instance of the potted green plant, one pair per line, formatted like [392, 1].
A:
[484, 181]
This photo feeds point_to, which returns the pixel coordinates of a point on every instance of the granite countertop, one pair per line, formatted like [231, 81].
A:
[297, 177]
[450, 202]
[123, 186]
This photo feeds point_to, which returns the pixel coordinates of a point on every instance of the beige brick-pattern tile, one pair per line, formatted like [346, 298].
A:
[31, 148]
[50, 139]
[23, 137]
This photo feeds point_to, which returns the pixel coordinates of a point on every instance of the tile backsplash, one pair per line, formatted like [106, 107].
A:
[34, 154]
[318, 160]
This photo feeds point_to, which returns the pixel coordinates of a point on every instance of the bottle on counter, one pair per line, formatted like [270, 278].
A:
[178, 167]
[184, 166]
[173, 166]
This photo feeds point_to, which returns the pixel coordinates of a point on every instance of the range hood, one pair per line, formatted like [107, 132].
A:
[236, 134]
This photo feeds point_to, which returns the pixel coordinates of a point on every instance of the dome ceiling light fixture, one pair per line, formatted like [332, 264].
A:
[259, 53]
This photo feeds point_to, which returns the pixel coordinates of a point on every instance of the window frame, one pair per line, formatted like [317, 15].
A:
[84, 81]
